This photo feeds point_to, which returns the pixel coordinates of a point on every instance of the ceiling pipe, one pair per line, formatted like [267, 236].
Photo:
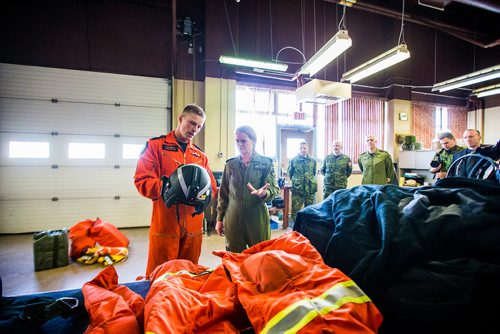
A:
[266, 75]
[457, 32]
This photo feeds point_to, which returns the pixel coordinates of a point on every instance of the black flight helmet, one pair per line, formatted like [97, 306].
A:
[190, 185]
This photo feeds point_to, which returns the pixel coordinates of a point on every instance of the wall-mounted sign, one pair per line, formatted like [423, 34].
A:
[403, 116]
[299, 115]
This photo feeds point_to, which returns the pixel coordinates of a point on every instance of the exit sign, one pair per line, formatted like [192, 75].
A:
[299, 115]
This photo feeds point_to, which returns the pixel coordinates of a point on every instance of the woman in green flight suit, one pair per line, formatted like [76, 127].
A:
[248, 182]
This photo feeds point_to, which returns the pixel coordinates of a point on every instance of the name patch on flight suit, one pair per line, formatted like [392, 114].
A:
[170, 147]
[259, 166]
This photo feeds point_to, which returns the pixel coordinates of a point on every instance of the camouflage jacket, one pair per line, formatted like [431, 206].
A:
[336, 169]
[376, 168]
[302, 172]
[446, 157]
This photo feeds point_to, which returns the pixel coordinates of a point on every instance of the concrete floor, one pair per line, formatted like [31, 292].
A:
[19, 278]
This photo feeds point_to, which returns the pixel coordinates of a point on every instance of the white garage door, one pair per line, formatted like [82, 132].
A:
[69, 145]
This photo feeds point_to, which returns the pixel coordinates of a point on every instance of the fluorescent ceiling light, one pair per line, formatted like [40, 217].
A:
[468, 79]
[331, 50]
[487, 91]
[383, 61]
[347, 3]
[253, 63]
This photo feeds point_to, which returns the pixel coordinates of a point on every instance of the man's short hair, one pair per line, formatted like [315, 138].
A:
[303, 143]
[370, 137]
[444, 135]
[193, 109]
[476, 131]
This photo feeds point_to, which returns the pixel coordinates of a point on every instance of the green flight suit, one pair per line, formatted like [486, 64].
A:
[446, 157]
[336, 169]
[302, 173]
[245, 216]
[377, 167]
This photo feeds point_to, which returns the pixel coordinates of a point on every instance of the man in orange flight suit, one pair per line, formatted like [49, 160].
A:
[172, 237]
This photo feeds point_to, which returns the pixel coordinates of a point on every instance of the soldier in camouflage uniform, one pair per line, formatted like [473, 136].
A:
[336, 168]
[302, 173]
[443, 158]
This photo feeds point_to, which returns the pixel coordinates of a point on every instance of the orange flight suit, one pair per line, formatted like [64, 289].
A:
[112, 308]
[170, 238]
[285, 287]
[190, 298]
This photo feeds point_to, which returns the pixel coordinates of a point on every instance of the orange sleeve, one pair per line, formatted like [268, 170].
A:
[147, 174]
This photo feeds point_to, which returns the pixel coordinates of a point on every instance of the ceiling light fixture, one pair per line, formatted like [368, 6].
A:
[253, 63]
[268, 75]
[347, 3]
[383, 61]
[468, 79]
[391, 57]
[331, 50]
[487, 91]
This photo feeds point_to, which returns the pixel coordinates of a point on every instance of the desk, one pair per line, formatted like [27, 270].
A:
[286, 209]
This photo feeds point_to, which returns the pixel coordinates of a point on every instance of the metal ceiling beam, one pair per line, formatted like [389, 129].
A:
[458, 32]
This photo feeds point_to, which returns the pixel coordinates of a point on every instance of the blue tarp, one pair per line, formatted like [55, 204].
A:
[428, 257]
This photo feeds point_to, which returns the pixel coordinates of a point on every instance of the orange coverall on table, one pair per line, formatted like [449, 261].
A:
[277, 286]
[285, 287]
[112, 308]
[190, 298]
[170, 238]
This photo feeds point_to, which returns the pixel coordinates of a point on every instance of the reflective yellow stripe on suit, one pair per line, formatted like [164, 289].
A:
[182, 272]
[296, 316]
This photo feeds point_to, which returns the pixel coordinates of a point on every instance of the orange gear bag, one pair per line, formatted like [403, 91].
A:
[106, 234]
[80, 238]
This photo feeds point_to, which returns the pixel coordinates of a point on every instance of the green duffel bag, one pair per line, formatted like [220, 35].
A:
[50, 249]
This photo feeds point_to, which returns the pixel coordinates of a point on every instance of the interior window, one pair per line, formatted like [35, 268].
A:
[29, 149]
[441, 120]
[264, 109]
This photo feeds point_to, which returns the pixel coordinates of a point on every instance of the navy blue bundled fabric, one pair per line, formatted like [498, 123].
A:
[429, 257]
[73, 321]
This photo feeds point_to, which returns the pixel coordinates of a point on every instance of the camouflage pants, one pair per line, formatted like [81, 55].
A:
[299, 201]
